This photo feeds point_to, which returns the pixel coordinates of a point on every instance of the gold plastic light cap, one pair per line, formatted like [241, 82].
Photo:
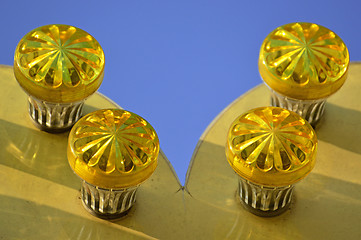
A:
[59, 63]
[271, 146]
[113, 149]
[303, 61]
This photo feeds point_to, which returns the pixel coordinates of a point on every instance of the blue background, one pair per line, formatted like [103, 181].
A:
[178, 63]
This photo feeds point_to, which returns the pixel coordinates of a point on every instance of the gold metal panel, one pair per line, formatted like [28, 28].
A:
[33, 163]
[39, 193]
[326, 204]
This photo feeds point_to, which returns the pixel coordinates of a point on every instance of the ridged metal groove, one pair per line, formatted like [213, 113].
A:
[54, 116]
[264, 199]
[310, 110]
[107, 202]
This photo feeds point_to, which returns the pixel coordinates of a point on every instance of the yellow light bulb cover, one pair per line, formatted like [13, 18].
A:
[113, 148]
[304, 61]
[271, 146]
[59, 63]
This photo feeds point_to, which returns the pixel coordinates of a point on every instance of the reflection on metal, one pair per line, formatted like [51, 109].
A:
[54, 117]
[330, 191]
[40, 195]
[33, 162]
[107, 203]
[311, 110]
[262, 200]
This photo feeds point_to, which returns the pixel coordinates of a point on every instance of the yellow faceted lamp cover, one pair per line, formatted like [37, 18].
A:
[59, 63]
[304, 61]
[270, 148]
[303, 64]
[58, 66]
[113, 151]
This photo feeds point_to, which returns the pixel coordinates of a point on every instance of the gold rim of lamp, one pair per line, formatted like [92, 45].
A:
[113, 149]
[271, 146]
[59, 63]
[304, 61]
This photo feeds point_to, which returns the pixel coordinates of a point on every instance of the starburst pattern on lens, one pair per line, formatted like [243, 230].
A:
[115, 140]
[305, 52]
[303, 55]
[59, 55]
[272, 139]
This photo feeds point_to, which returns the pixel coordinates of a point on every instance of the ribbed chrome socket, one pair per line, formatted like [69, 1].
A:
[54, 117]
[263, 200]
[107, 203]
[310, 110]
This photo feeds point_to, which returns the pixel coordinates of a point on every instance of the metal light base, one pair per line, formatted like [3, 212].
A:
[264, 201]
[107, 203]
[310, 110]
[54, 117]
